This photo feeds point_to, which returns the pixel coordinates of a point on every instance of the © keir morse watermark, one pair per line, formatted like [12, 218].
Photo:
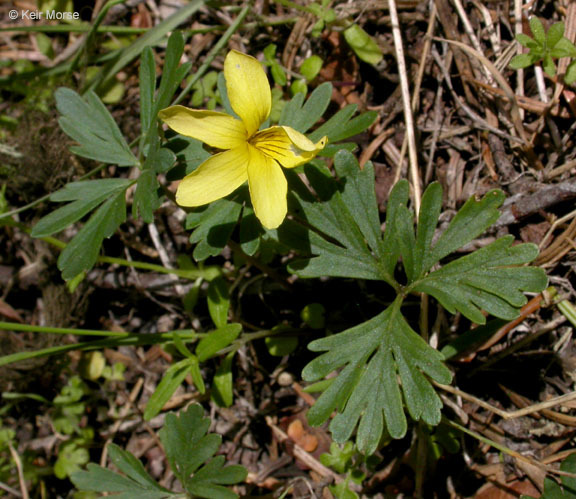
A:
[36, 15]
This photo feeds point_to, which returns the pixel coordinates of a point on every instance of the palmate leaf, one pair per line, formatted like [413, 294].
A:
[350, 219]
[366, 392]
[137, 484]
[489, 279]
[190, 453]
[213, 225]
[82, 252]
[189, 450]
[485, 280]
[84, 197]
[384, 365]
[87, 121]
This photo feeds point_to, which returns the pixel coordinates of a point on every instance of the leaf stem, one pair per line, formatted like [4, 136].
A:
[113, 339]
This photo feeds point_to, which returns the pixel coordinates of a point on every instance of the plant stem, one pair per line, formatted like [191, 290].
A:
[207, 273]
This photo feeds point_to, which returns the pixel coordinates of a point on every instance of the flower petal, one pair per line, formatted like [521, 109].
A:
[286, 145]
[248, 89]
[215, 129]
[217, 177]
[268, 189]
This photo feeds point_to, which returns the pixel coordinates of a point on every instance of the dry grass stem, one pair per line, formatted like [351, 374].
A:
[412, 154]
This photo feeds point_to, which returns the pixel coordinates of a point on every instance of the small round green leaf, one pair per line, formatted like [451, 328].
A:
[311, 67]
[279, 346]
[363, 45]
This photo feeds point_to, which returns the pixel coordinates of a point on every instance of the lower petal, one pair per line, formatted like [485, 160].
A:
[268, 189]
[286, 145]
[217, 177]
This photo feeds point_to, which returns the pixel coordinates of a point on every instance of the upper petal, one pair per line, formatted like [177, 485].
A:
[217, 177]
[248, 89]
[268, 189]
[215, 129]
[286, 145]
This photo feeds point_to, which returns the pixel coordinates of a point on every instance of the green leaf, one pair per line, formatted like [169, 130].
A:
[222, 383]
[341, 490]
[350, 220]
[471, 220]
[537, 29]
[298, 87]
[570, 76]
[279, 346]
[554, 35]
[213, 227]
[486, 280]
[218, 301]
[85, 195]
[208, 481]
[146, 198]
[147, 87]
[567, 489]
[181, 346]
[172, 74]
[356, 125]
[278, 74]
[88, 122]
[548, 65]
[270, 52]
[341, 126]
[526, 41]
[292, 110]
[44, 45]
[339, 458]
[216, 340]
[397, 201]
[363, 44]
[521, 61]
[429, 212]
[311, 67]
[250, 231]
[171, 380]
[189, 152]
[190, 454]
[302, 117]
[71, 458]
[136, 484]
[365, 392]
[563, 48]
[335, 124]
[314, 315]
[82, 252]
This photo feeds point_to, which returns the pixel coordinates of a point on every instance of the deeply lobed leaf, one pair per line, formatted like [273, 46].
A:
[85, 196]
[136, 484]
[371, 357]
[88, 122]
[82, 252]
[189, 451]
[350, 220]
[366, 392]
[486, 280]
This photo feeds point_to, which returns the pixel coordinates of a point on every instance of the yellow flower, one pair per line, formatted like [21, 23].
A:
[248, 154]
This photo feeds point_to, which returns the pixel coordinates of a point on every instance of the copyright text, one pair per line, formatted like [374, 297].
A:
[36, 15]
